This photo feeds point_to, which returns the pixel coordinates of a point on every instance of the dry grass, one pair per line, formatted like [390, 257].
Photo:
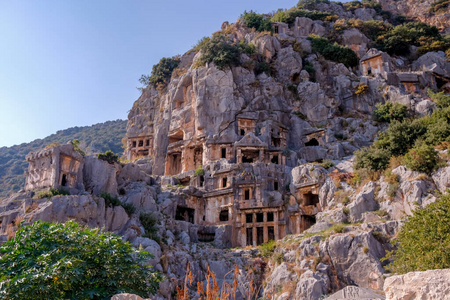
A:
[212, 291]
[17, 220]
[10, 231]
[32, 207]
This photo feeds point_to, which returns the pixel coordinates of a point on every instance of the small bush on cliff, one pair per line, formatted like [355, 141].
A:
[422, 158]
[310, 4]
[372, 159]
[398, 40]
[51, 193]
[257, 21]
[148, 221]
[390, 111]
[333, 52]
[67, 261]
[109, 157]
[424, 240]
[161, 72]
[76, 147]
[441, 99]
[289, 16]
[110, 201]
[219, 51]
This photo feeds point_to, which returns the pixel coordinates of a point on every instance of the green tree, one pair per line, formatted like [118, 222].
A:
[424, 240]
[257, 21]
[161, 72]
[67, 261]
[400, 136]
[109, 157]
[334, 51]
[372, 159]
[76, 146]
[441, 99]
[219, 51]
[390, 111]
[422, 158]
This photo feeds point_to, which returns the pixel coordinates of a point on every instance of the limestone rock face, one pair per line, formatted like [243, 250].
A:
[126, 296]
[418, 10]
[99, 176]
[356, 40]
[364, 202]
[433, 61]
[357, 293]
[83, 209]
[352, 264]
[432, 284]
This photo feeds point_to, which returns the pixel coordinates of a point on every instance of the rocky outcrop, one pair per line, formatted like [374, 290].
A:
[432, 284]
[357, 293]
[419, 10]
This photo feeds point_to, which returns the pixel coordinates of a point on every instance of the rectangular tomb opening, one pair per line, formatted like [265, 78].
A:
[250, 156]
[185, 214]
[223, 216]
[174, 161]
[271, 233]
[310, 199]
[306, 222]
[249, 236]
[259, 235]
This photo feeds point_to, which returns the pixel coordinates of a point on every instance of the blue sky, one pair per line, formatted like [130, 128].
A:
[77, 63]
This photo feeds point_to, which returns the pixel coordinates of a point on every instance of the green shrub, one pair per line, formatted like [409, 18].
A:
[257, 21]
[362, 89]
[392, 189]
[308, 67]
[390, 111]
[400, 136]
[220, 51]
[199, 172]
[372, 159]
[201, 43]
[422, 158]
[372, 29]
[441, 99]
[66, 261]
[161, 72]
[327, 163]
[110, 201]
[334, 52]
[109, 157]
[267, 249]
[279, 258]
[262, 67]
[398, 40]
[424, 240]
[76, 147]
[289, 16]
[148, 221]
[129, 208]
[51, 193]
[310, 4]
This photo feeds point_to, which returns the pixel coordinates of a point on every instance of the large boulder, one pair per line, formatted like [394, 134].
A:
[434, 61]
[364, 202]
[312, 286]
[431, 284]
[99, 176]
[355, 258]
[357, 293]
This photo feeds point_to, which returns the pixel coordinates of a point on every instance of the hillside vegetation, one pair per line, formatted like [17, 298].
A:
[96, 138]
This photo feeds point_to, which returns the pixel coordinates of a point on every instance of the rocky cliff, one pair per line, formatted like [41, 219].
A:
[249, 139]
